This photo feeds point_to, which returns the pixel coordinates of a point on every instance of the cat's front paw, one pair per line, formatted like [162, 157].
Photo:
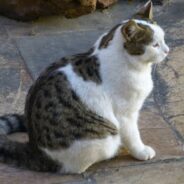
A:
[145, 154]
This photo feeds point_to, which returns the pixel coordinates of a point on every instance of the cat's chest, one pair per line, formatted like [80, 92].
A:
[140, 87]
[129, 94]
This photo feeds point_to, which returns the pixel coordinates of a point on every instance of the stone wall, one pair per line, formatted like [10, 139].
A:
[26, 10]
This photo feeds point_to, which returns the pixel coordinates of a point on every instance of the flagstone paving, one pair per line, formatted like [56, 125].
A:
[27, 48]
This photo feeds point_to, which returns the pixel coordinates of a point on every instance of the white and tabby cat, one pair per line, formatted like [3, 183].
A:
[83, 108]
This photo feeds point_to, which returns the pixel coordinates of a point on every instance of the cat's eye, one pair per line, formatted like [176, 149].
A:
[156, 45]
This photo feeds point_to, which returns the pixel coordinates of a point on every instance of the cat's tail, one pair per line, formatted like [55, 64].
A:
[24, 155]
[12, 123]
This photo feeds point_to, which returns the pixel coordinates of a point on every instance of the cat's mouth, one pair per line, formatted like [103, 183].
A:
[159, 59]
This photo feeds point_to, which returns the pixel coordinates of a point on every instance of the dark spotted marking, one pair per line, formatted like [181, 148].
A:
[55, 115]
[38, 116]
[90, 71]
[108, 37]
[58, 89]
[49, 105]
[38, 104]
[47, 94]
[74, 96]
[79, 62]
[26, 156]
[66, 117]
[64, 102]
[88, 68]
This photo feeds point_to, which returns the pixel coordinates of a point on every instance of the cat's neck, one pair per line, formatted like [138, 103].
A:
[123, 76]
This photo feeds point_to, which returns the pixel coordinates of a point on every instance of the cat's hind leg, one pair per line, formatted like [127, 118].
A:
[82, 154]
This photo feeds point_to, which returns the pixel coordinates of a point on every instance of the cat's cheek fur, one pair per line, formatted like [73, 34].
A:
[82, 154]
[158, 55]
[153, 55]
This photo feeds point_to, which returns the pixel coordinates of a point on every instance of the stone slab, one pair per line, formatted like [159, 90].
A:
[171, 101]
[39, 51]
[14, 83]
[9, 80]
[9, 54]
[170, 172]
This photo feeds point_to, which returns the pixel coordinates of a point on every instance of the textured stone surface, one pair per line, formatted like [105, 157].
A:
[14, 83]
[14, 80]
[169, 82]
[52, 48]
[170, 172]
[171, 99]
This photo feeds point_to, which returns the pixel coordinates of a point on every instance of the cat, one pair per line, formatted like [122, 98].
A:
[83, 108]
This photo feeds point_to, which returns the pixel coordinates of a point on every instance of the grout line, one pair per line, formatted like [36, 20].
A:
[178, 135]
[22, 58]
[23, 61]
[148, 163]
[40, 34]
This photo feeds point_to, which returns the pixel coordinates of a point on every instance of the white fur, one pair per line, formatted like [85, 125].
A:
[126, 82]
[83, 154]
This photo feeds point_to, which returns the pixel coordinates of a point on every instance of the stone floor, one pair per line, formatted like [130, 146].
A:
[26, 48]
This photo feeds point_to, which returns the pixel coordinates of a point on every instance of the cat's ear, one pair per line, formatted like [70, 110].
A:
[146, 11]
[130, 29]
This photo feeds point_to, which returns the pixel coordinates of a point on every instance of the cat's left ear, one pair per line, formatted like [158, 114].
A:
[130, 30]
[146, 11]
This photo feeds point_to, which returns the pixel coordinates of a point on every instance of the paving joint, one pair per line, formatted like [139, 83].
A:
[147, 163]
[159, 101]
[23, 63]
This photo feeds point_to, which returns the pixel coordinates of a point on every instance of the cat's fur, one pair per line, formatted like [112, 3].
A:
[83, 108]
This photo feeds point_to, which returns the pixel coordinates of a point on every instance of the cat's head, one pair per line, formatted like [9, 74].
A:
[143, 38]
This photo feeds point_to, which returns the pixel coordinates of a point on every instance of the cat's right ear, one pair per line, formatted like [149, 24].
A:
[146, 11]
[130, 29]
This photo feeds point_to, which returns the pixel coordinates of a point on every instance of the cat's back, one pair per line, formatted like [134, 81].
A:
[55, 111]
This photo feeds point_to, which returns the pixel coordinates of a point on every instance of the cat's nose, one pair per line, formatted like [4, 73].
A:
[166, 50]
